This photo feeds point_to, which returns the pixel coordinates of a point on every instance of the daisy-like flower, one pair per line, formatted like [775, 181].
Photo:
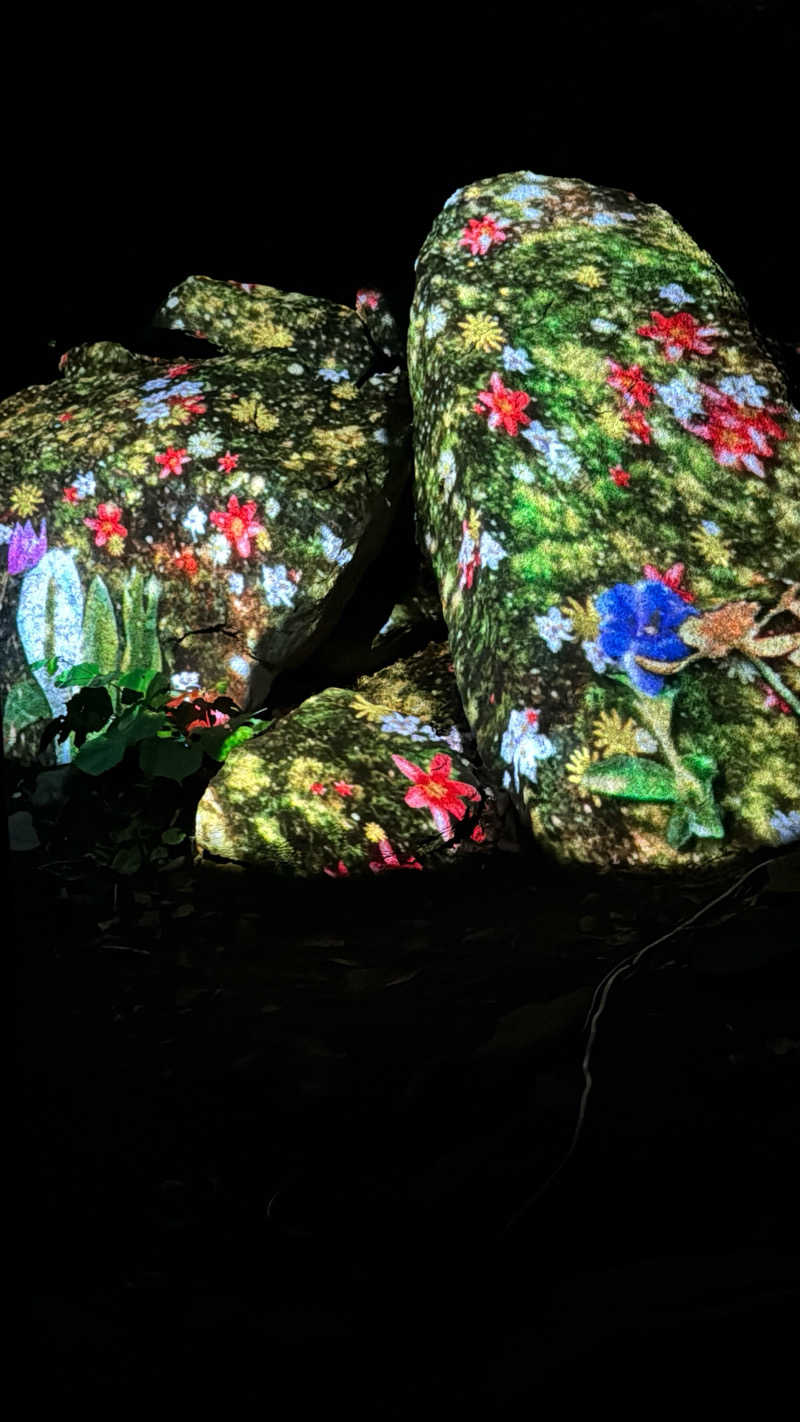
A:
[435, 321]
[481, 333]
[278, 586]
[682, 398]
[555, 628]
[447, 470]
[26, 498]
[516, 358]
[333, 547]
[675, 294]
[85, 485]
[195, 521]
[744, 389]
[204, 445]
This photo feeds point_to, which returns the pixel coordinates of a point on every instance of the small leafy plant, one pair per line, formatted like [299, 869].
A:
[130, 733]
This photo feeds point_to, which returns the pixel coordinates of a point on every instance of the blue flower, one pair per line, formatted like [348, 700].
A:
[151, 413]
[239, 666]
[523, 192]
[682, 399]
[187, 387]
[6, 530]
[559, 459]
[602, 325]
[532, 214]
[786, 825]
[603, 219]
[675, 293]
[447, 469]
[85, 485]
[710, 527]
[491, 552]
[157, 384]
[333, 547]
[195, 521]
[523, 472]
[593, 655]
[272, 508]
[278, 587]
[236, 584]
[640, 620]
[453, 198]
[744, 389]
[334, 375]
[516, 359]
[399, 725]
[555, 628]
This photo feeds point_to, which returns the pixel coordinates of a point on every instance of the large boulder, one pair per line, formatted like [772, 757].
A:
[206, 517]
[607, 473]
[343, 786]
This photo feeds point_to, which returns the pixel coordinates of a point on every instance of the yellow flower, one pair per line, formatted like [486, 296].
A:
[116, 545]
[587, 276]
[345, 390]
[367, 710]
[615, 736]
[482, 333]
[266, 333]
[585, 618]
[252, 412]
[374, 833]
[711, 548]
[473, 525]
[580, 362]
[263, 541]
[579, 763]
[304, 771]
[468, 295]
[611, 423]
[334, 442]
[25, 499]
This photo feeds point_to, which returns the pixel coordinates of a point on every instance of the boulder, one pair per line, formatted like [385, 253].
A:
[607, 469]
[207, 517]
[343, 786]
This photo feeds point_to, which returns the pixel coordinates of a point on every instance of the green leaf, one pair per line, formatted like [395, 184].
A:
[679, 830]
[219, 741]
[81, 675]
[127, 861]
[101, 753]
[49, 663]
[25, 703]
[171, 758]
[99, 633]
[630, 778]
[157, 688]
[173, 836]
[137, 679]
[138, 723]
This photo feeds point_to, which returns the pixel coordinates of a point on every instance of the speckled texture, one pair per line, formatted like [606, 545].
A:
[607, 473]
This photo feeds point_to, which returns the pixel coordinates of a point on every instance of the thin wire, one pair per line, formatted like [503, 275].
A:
[628, 966]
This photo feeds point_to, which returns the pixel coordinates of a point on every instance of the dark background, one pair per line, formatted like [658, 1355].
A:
[312, 152]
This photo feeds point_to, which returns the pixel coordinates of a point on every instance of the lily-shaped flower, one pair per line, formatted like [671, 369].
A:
[481, 234]
[672, 578]
[25, 549]
[435, 791]
[238, 525]
[504, 407]
[678, 334]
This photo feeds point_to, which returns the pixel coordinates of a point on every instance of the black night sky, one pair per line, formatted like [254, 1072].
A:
[204, 1212]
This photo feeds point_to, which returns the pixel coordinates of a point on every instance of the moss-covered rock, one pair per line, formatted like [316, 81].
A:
[607, 477]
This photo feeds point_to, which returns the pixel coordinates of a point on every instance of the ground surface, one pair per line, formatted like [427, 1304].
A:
[271, 1136]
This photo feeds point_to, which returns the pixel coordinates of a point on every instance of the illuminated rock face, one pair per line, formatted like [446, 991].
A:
[607, 475]
[206, 517]
[343, 786]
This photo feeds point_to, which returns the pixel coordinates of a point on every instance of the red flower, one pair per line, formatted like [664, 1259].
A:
[338, 872]
[737, 433]
[772, 701]
[186, 562]
[238, 524]
[107, 524]
[367, 298]
[637, 425]
[620, 476]
[504, 407]
[342, 788]
[62, 360]
[389, 859]
[207, 716]
[293, 575]
[181, 369]
[187, 402]
[435, 791]
[672, 579]
[630, 382]
[71, 494]
[317, 788]
[172, 461]
[481, 234]
[470, 567]
[678, 334]
[478, 834]
[62, 419]
[228, 461]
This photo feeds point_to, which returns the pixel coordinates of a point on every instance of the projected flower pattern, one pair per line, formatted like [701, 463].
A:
[590, 391]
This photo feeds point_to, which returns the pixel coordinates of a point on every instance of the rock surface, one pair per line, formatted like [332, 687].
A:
[206, 517]
[607, 478]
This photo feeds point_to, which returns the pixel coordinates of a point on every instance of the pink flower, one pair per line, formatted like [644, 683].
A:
[620, 476]
[339, 872]
[172, 461]
[389, 860]
[481, 234]
[434, 790]
[238, 524]
[228, 461]
[107, 524]
[672, 578]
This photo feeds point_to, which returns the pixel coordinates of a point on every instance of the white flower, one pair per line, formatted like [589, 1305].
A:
[593, 654]
[523, 472]
[516, 358]
[603, 219]
[204, 445]
[239, 666]
[453, 198]
[195, 521]
[740, 669]
[681, 397]
[435, 322]
[236, 584]
[334, 375]
[279, 589]
[603, 326]
[644, 741]
[555, 628]
[295, 368]
[453, 739]
[333, 548]
[523, 746]
[559, 458]
[491, 552]
[184, 681]
[85, 485]
[675, 293]
[220, 550]
[447, 469]
[381, 436]
[786, 825]
[744, 389]
[710, 527]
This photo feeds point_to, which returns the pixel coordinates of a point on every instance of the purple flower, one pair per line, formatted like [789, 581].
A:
[640, 620]
[25, 550]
